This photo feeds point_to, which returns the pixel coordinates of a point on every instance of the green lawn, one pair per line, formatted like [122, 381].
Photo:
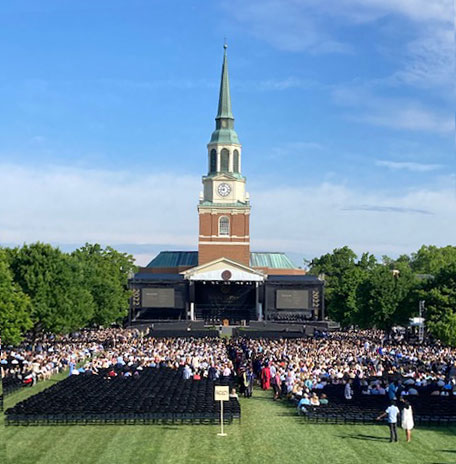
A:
[269, 433]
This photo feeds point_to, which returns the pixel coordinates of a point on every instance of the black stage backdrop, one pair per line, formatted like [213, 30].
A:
[225, 296]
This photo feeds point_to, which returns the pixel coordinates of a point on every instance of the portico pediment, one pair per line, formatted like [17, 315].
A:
[223, 269]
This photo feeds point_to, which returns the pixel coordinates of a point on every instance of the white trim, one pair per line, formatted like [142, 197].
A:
[223, 176]
[220, 226]
[226, 145]
[214, 269]
[224, 243]
[223, 211]
[218, 160]
[217, 236]
[237, 275]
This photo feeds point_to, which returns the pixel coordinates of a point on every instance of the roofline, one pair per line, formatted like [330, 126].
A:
[178, 251]
[228, 260]
[270, 252]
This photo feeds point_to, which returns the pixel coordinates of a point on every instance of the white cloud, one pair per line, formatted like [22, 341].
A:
[412, 117]
[66, 205]
[394, 113]
[314, 220]
[299, 25]
[63, 206]
[428, 61]
[286, 25]
[369, 10]
[408, 166]
[386, 209]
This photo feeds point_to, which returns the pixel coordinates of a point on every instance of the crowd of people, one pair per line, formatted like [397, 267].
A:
[120, 351]
[48, 355]
[302, 370]
[365, 362]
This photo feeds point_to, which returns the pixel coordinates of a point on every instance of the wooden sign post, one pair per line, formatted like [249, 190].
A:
[222, 393]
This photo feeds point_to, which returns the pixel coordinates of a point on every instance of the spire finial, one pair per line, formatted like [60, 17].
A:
[224, 126]
[224, 108]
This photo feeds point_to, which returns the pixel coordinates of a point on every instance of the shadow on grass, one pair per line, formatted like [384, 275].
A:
[448, 451]
[362, 436]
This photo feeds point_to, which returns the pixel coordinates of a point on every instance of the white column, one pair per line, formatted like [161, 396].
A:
[218, 160]
[257, 303]
[192, 311]
[230, 160]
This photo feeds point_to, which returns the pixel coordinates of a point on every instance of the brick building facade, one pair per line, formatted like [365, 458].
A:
[224, 279]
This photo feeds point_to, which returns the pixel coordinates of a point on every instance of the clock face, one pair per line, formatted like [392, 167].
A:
[224, 190]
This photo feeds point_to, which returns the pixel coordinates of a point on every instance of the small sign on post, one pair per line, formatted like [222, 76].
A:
[222, 393]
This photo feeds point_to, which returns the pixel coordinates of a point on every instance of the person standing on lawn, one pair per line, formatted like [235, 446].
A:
[392, 412]
[407, 421]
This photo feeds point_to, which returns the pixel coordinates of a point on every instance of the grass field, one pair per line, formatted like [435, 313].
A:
[269, 433]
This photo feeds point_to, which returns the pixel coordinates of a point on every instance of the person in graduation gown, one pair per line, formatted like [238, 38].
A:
[247, 379]
[265, 378]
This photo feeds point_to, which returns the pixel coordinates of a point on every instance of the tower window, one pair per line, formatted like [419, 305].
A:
[213, 162]
[224, 160]
[236, 161]
[224, 226]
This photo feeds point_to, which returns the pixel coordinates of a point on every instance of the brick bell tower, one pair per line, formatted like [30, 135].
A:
[224, 207]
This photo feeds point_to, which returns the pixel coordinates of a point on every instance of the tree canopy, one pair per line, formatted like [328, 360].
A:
[343, 274]
[382, 297]
[15, 314]
[367, 293]
[440, 297]
[45, 289]
[105, 276]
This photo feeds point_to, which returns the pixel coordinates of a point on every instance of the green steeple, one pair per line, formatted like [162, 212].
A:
[224, 121]
[224, 106]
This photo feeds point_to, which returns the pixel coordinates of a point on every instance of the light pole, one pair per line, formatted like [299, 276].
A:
[422, 308]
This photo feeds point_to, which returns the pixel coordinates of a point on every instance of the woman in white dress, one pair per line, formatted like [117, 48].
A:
[407, 420]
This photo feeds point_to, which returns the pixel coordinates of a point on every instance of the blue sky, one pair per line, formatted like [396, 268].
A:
[345, 109]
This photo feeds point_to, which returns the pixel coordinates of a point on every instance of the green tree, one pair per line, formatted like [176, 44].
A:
[394, 263]
[54, 282]
[15, 318]
[440, 297]
[430, 259]
[343, 274]
[106, 273]
[383, 297]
